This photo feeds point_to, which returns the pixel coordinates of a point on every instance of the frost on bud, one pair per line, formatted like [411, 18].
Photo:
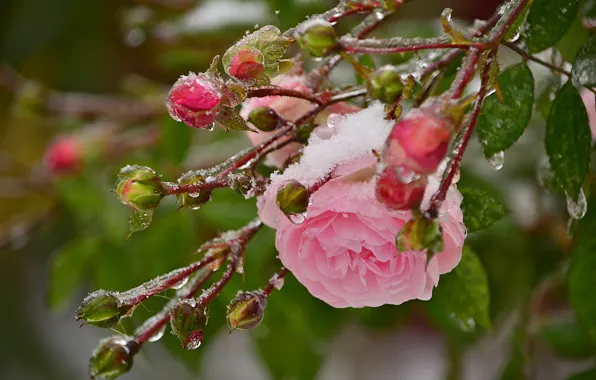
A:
[139, 187]
[246, 65]
[399, 188]
[246, 310]
[419, 234]
[188, 321]
[195, 200]
[64, 156]
[292, 198]
[195, 100]
[317, 37]
[418, 142]
[102, 309]
[113, 357]
[385, 85]
[265, 119]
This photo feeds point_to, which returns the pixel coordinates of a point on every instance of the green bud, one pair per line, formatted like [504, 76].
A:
[421, 233]
[385, 85]
[193, 201]
[113, 357]
[303, 133]
[292, 198]
[246, 310]
[102, 309]
[265, 119]
[139, 187]
[317, 37]
[188, 320]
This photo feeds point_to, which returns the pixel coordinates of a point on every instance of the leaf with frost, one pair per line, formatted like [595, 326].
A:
[139, 221]
[480, 209]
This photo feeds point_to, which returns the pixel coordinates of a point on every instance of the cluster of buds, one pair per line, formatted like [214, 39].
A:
[416, 146]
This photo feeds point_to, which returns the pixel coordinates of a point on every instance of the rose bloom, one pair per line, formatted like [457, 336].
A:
[344, 251]
[290, 109]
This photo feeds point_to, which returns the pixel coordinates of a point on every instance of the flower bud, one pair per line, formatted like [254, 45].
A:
[385, 85]
[246, 310]
[399, 188]
[102, 309]
[195, 100]
[420, 233]
[113, 357]
[292, 198]
[188, 320]
[264, 119]
[247, 65]
[317, 37]
[418, 142]
[64, 156]
[195, 200]
[139, 187]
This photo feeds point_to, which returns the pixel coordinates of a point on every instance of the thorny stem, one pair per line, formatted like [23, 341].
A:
[195, 188]
[261, 92]
[279, 276]
[465, 74]
[455, 161]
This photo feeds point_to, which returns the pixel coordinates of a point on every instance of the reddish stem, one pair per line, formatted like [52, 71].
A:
[279, 276]
[465, 74]
[261, 92]
[455, 162]
[195, 188]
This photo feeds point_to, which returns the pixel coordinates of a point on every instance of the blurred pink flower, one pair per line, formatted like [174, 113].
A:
[344, 252]
[590, 103]
[290, 109]
[64, 156]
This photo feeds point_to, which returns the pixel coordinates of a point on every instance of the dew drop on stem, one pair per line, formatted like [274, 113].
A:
[297, 218]
[158, 334]
[180, 284]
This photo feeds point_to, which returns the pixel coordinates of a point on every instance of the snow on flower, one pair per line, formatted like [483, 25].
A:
[344, 252]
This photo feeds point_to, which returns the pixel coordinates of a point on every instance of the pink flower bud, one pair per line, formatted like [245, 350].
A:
[195, 100]
[64, 156]
[247, 65]
[419, 143]
[399, 188]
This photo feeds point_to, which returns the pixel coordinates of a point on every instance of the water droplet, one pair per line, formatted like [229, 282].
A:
[379, 15]
[158, 334]
[194, 340]
[577, 208]
[297, 218]
[515, 36]
[278, 282]
[256, 26]
[497, 161]
[180, 283]
[277, 12]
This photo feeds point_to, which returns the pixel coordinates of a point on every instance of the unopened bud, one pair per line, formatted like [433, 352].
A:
[188, 321]
[419, 234]
[102, 309]
[292, 198]
[195, 100]
[113, 357]
[64, 156]
[139, 187]
[399, 188]
[246, 310]
[317, 37]
[246, 64]
[385, 85]
[265, 119]
[418, 142]
[193, 200]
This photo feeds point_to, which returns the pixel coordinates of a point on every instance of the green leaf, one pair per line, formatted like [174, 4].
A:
[568, 139]
[464, 291]
[174, 141]
[548, 22]
[586, 375]
[480, 209]
[567, 340]
[139, 221]
[573, 40]
[229, 118]
[584, 66]
[582, 281]
[68, 267]
[501, 123]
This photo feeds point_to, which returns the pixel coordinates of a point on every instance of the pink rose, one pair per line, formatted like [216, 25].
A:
[64, 156]
[590, 103]
[195, 100]
[290, 109]
[344, 251]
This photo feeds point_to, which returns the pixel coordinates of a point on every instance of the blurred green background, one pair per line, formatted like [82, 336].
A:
[63, 237]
